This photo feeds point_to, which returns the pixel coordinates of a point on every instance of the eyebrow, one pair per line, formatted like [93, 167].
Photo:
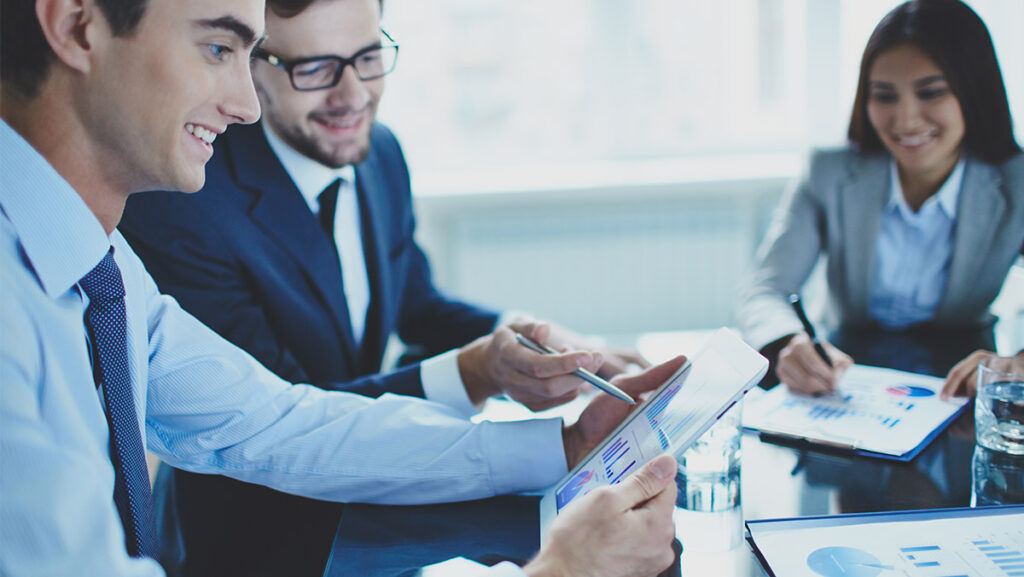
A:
[917, 83]
[928, 80]
[244, 32]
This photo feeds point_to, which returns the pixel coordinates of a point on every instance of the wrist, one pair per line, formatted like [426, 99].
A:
[541, 567]
[472, 369]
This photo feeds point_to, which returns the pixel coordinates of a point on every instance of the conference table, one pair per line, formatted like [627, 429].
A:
[775, 481]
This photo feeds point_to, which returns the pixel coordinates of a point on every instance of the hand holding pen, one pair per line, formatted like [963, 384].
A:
[497, 364]
[808, 364]
[581, 372]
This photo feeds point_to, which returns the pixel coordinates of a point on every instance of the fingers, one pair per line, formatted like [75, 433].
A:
[840, 360]
[618, 360]
[650, 379]
[803, 370]
[537, 380]
[539, 402]
[540, 366]
[651, 481]
[799, 378]
[963, 377]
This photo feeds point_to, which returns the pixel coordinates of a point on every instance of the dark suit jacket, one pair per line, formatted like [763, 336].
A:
[248, 258]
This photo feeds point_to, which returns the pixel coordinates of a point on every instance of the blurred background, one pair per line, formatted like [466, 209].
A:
[613, 164]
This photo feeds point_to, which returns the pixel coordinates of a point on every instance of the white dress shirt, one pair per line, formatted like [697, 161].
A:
[205, 405]
[439, 375]
[913, 253]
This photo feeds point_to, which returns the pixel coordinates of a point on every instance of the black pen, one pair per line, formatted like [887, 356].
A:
[581, 373]
[794, 299]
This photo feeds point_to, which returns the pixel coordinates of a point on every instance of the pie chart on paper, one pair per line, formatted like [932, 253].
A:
[845, 562]
[910, 391]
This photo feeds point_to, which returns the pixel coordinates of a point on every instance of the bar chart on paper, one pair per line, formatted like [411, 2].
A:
[962, 547]
[878, 410]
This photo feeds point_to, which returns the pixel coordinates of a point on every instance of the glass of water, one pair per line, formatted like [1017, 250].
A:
[999, 408]
[710, 469]
[997, 478]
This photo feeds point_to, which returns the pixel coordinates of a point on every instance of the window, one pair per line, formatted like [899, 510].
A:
[519, 86]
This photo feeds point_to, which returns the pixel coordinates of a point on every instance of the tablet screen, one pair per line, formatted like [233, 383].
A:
[669, 422]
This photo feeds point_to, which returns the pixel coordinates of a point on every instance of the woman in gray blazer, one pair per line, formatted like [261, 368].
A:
[919, 219]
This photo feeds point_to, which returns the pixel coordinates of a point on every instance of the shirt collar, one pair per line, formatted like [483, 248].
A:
[309, 176]
[946, 197]
[62, 238]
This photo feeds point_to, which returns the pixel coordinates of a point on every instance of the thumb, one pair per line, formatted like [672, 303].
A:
[649, 482]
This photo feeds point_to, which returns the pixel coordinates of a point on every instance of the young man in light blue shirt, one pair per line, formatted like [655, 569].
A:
[104, 98]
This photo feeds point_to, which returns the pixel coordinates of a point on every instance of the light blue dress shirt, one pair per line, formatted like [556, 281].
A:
[206, 405]
[913, 253]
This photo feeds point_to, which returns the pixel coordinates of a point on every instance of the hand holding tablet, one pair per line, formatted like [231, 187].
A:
[691, 398]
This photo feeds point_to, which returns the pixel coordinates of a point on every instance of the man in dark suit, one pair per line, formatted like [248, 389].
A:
[300, 250]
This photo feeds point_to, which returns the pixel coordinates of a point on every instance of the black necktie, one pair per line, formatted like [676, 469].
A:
[328, 200]
[108, 336]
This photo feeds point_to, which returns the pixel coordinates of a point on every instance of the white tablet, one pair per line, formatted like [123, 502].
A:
[669, 421]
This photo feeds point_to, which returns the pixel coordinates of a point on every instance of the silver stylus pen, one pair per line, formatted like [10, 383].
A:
[581, 373]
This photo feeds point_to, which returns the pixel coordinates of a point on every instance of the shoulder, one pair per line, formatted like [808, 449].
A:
[385, 146]
[828, 169]
[1012, 172]
[382, 136]
[386, 160]
[845, 161]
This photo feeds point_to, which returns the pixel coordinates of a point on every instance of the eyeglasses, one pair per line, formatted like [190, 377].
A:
[320, 72]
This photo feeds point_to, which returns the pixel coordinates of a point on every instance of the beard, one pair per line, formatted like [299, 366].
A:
[333, 155]
[305, 141]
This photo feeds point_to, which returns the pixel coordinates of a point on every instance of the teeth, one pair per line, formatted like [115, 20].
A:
[915, 140]
[201, 133]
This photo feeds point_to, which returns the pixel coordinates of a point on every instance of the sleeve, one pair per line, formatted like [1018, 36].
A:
[443, 384]
[56, 512]
[782, 264]
[214, 409]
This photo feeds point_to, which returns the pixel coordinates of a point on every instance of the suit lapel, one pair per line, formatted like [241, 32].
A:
[280, 211]
[375, 249]
[979, 210]
[863, 197]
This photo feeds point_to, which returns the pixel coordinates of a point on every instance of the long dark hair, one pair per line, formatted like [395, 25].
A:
[952, 35]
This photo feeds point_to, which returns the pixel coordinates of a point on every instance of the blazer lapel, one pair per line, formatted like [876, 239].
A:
[862, 199]
[979, 212]
[375, 249]
[280, 211]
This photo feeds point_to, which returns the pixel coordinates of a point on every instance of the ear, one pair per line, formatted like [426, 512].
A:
[71, 28]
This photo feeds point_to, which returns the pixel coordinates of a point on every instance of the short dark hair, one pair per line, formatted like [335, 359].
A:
[24, 50]
[952, 35]
[292, 8]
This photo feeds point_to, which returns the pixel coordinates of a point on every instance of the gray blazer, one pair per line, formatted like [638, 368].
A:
[835, 209]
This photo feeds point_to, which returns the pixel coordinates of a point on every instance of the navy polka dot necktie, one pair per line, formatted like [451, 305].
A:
[108, 336]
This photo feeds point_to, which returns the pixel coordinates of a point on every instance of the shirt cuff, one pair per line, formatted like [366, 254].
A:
[524, 455]
[443, 384]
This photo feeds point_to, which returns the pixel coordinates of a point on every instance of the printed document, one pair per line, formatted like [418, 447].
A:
[873, 410]
[921, 544]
